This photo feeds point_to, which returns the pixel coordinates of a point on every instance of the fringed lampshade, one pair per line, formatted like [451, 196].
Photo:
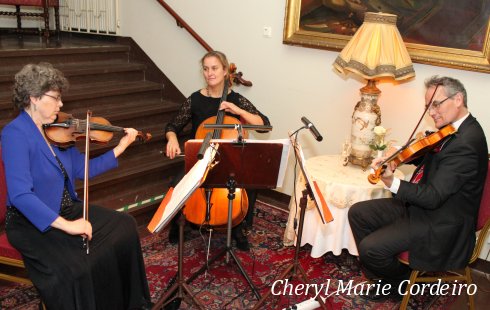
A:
[376, 50]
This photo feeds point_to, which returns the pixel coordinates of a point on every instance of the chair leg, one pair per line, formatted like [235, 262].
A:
[19, 21]
[471, 298]
[46, 21]
[406, 297]
[57, 19]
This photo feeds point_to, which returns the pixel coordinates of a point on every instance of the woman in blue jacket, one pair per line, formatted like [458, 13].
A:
[44, 214]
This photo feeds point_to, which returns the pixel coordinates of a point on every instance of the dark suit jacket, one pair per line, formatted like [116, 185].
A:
[443, 206]
[35, 181]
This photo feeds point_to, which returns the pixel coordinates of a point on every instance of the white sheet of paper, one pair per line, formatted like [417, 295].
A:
[189, 183]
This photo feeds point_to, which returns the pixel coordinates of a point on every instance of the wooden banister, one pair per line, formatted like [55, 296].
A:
[236, 76]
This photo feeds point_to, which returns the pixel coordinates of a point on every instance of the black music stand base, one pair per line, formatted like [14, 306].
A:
[182, 288]
[231, 185]
[295, 266]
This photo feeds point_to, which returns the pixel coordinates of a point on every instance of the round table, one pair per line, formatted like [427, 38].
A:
[341, 186]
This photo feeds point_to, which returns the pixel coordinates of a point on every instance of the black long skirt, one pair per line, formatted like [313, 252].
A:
[111, 276]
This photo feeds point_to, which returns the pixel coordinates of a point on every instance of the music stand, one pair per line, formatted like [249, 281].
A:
[254, 164]
[172, 203]
[325, 216]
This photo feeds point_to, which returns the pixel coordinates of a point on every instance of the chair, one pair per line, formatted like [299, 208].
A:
[10, 258]
[482, 227]
[44, 4]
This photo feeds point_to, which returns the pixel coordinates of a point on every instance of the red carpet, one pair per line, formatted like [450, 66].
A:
[224, 287]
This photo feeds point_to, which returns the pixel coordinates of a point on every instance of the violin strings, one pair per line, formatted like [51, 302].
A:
[96, 126]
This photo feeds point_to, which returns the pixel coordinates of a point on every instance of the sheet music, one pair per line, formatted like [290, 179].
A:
[183, 190]
[318, 197]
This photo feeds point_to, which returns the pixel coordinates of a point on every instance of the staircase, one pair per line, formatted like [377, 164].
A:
[113, 78]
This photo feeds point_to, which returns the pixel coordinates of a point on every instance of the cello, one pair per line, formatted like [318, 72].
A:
[210, 206]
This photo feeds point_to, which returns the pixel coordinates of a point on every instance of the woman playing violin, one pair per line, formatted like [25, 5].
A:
[44, 214]
[205, 103]
[434, 215]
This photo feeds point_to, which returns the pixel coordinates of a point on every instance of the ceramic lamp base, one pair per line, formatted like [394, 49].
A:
[366, 116]
[360, 161]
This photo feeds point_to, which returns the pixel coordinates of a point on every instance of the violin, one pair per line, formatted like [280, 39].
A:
[413, 151]
[66, 130]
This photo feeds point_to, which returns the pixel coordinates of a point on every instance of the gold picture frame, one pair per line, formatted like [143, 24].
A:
[475, 59]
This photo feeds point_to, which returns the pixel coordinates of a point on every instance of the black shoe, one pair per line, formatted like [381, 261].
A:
[240, 239]
[173, 305]
[148, 306]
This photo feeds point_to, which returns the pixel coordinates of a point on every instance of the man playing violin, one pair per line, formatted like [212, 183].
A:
[434, 215]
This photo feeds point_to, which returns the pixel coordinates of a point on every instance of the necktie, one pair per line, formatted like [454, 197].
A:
[419, 173]
[417, 176]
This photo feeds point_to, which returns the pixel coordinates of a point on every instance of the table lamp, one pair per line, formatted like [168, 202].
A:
[376, 50]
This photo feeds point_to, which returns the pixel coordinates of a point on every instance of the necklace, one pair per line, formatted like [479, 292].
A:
[208, 93]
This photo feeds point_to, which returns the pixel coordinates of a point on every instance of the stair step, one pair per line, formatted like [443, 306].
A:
[94, 90]
[58, 55]
[108, 77]
[134, 180]
[83, 73]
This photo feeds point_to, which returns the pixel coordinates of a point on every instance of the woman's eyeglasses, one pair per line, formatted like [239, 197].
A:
[57, 98]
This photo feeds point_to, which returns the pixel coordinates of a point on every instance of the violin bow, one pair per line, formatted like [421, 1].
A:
[85, 178]
[410, 138]
[422, 117]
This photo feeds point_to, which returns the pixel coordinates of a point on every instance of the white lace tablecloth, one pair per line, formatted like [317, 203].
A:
[342, 186]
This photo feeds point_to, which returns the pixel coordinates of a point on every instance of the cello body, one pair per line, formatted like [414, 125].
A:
[198, 209]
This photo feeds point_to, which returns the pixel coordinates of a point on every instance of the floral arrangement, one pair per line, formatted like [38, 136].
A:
[378, 143]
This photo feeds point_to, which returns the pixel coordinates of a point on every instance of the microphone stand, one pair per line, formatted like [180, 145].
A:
[295, 269]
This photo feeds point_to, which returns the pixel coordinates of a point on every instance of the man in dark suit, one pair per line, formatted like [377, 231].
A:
[434, 215]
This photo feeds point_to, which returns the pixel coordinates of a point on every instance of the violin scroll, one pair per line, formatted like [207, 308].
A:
[144, 137]
[374, 178]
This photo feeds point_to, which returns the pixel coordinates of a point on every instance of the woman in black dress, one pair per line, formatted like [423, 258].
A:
[203, 104]
[44, 214]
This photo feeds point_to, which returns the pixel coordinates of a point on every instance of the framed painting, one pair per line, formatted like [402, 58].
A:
[449, 33]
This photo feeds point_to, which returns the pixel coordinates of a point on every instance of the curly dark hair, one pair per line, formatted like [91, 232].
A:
[34, 81]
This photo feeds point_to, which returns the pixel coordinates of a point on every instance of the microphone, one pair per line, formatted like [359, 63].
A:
[312, 128]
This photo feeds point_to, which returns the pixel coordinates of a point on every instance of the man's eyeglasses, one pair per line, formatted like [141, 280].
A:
[57, 98]
[436, 104]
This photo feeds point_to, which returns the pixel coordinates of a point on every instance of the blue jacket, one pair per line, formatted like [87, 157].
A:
[35, 181]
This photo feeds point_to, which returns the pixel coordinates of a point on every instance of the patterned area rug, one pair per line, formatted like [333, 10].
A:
[224, 287]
